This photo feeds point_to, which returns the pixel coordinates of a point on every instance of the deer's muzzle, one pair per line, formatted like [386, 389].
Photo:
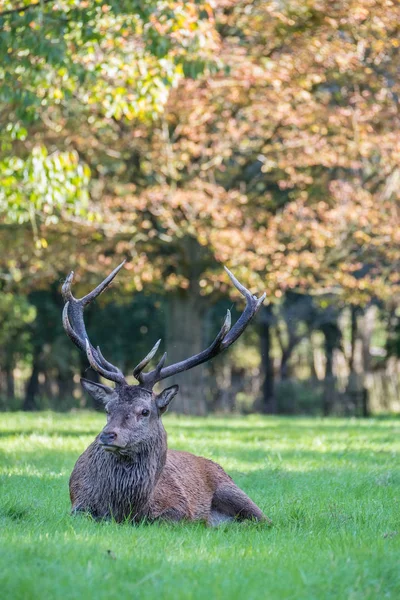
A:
[108, 438]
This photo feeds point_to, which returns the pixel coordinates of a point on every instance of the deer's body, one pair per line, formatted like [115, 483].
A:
[157, 484]
[128, 472]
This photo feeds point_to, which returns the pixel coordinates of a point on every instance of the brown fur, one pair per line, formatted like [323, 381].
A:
[137, 478]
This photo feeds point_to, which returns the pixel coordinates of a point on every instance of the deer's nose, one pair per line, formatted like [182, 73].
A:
[108, 437]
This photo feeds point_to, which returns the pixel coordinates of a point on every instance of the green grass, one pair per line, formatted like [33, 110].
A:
[331, 487]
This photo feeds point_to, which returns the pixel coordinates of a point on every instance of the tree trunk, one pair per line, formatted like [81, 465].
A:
[224, 398]
[354, 310]
[65, 385]
[46, 390]
[32, 388]
[329, 380]
[366, 331]
[284, 366]
[10, 383]
[365, 403]
[185, 337]
[352, 384]
[268, 404]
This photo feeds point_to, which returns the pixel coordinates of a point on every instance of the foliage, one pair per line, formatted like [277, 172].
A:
[42, 185]
[117, 58]
[95, 61]
[301, 130]
[284, 164]
[16, 313]
[331, 488]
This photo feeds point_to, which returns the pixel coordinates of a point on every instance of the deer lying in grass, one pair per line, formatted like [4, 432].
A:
[128, 472]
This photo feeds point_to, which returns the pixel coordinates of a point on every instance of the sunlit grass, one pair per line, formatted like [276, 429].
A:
[331, 487]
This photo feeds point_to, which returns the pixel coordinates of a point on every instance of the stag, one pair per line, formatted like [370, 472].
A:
[128, 472]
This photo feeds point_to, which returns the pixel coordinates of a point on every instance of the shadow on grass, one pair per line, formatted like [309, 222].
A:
[315, 459]
[262, 429]
[249, 450]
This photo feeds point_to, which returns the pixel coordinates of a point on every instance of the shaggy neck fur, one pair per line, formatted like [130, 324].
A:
[119, 486]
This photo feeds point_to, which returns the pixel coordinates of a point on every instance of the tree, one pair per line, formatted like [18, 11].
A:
[283, 164]
[16, 313]
[93, 61]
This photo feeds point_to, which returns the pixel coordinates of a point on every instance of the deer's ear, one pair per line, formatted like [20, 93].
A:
[98, 391]
[163, 399]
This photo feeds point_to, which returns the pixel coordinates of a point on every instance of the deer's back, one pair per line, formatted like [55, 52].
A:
[186, 485]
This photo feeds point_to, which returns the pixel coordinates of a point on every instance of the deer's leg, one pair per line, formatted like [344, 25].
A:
[172, 514]
[230, 502]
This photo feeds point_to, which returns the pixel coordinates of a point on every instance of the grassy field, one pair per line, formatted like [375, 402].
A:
[331, 487]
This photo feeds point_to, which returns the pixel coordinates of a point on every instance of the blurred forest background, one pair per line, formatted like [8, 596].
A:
[263, 135]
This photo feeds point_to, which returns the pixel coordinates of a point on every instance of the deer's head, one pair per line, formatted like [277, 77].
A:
[134, 411]
[133, 414]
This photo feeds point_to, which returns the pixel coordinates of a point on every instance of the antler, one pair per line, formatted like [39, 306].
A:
[224, 339]
[74, 325]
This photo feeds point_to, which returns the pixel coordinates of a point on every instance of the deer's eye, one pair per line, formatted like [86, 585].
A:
[145, 412]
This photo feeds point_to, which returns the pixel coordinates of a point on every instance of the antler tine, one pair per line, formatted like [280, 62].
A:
[66, 288]
[239, 286]
[149, 379]
[116, 376]
[102, 286]
[113, 374]
[104, 362]
[68, 328]
[74, 326]
[224, 339]
[225, 327]
[145, 361]
[160, 365]
[252, 307]
[77, 341]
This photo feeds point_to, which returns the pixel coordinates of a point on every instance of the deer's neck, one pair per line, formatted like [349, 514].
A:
[127, 482]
